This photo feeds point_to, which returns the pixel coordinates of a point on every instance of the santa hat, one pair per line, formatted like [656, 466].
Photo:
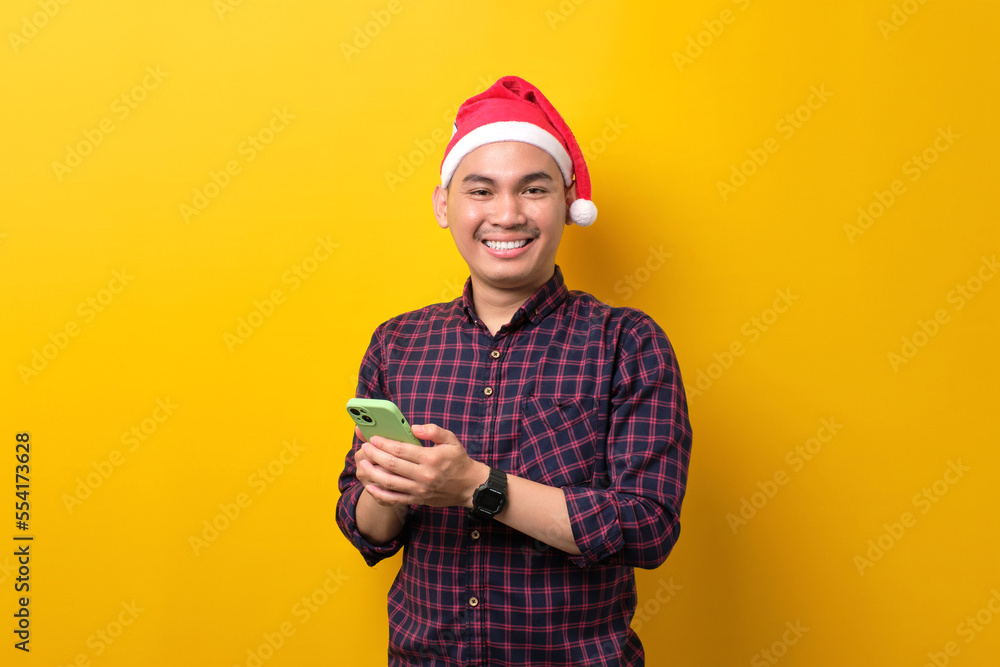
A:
[514, 110]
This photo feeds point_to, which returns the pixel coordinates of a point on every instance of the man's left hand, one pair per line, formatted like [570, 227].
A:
[439, 476]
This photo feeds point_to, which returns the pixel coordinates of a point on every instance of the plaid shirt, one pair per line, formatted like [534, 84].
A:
[571, 393]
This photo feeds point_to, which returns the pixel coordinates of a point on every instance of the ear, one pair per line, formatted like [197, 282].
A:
[570, 198]
[440, 202]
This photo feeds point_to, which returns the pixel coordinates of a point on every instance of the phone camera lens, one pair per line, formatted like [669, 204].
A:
[366, 419]
[355, 412]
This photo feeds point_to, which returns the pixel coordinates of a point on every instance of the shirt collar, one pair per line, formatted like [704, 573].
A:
[546, 299]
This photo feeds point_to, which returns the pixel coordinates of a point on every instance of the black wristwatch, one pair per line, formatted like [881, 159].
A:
[490, 498]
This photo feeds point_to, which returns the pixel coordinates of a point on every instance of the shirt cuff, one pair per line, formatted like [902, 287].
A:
[594, 520]
[372, 553]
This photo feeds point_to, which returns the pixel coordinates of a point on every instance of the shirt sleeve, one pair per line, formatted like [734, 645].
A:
[648, 452]
[370, 385]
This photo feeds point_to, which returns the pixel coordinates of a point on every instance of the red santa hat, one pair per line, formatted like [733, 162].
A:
[514, 110]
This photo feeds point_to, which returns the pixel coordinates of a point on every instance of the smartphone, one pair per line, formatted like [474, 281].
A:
[378, 417]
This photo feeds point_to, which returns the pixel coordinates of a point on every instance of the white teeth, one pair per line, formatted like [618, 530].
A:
[506, 245]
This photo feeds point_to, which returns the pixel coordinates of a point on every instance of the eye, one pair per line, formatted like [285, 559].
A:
[535, 190]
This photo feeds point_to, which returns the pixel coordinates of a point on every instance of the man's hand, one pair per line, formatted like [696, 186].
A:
[398, 473]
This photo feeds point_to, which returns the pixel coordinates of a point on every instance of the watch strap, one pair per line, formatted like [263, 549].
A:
[496, 484]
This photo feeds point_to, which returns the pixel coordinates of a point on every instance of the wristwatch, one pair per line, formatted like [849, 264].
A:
[490, 497]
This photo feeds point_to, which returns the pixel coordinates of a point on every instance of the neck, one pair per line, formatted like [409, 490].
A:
[496, 306]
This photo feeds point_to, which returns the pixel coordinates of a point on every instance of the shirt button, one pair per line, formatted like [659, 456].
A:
[473, 602]
[488, 391]
[495, 354]
[475, 534]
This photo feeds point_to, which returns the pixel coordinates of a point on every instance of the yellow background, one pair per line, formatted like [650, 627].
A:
[661, 132]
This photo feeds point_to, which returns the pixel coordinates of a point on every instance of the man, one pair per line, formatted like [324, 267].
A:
[557, 425]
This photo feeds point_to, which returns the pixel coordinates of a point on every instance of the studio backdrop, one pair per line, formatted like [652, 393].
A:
[207, 206]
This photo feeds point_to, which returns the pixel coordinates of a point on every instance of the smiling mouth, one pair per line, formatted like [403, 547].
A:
[506, 245]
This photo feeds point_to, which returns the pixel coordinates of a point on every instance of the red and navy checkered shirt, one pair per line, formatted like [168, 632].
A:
[572, 393]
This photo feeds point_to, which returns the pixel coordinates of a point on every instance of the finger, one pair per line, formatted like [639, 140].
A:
[400, 450]
[384, 497]
[375, 473]
[357, 432]
[365, 469]
[360, 455]
[434, 433]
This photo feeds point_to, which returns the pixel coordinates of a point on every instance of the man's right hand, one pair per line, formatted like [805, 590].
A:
[378, 521]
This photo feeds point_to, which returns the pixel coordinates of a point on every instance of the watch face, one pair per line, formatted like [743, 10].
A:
[490, 500]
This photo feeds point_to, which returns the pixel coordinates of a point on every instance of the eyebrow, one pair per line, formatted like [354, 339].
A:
[527, 178]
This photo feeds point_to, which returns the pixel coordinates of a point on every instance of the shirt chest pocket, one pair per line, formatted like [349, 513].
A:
[558, 440]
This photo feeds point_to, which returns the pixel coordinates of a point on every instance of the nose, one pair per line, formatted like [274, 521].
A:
[507, 210]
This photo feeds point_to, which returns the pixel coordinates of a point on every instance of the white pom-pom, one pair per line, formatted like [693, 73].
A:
[583, 212]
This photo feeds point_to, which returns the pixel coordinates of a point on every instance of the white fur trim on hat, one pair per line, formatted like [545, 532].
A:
[510, 130]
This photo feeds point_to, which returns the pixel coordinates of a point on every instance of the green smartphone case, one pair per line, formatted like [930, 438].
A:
[379, 417]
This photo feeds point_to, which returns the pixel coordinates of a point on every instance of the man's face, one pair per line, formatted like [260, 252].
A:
[506, 209]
